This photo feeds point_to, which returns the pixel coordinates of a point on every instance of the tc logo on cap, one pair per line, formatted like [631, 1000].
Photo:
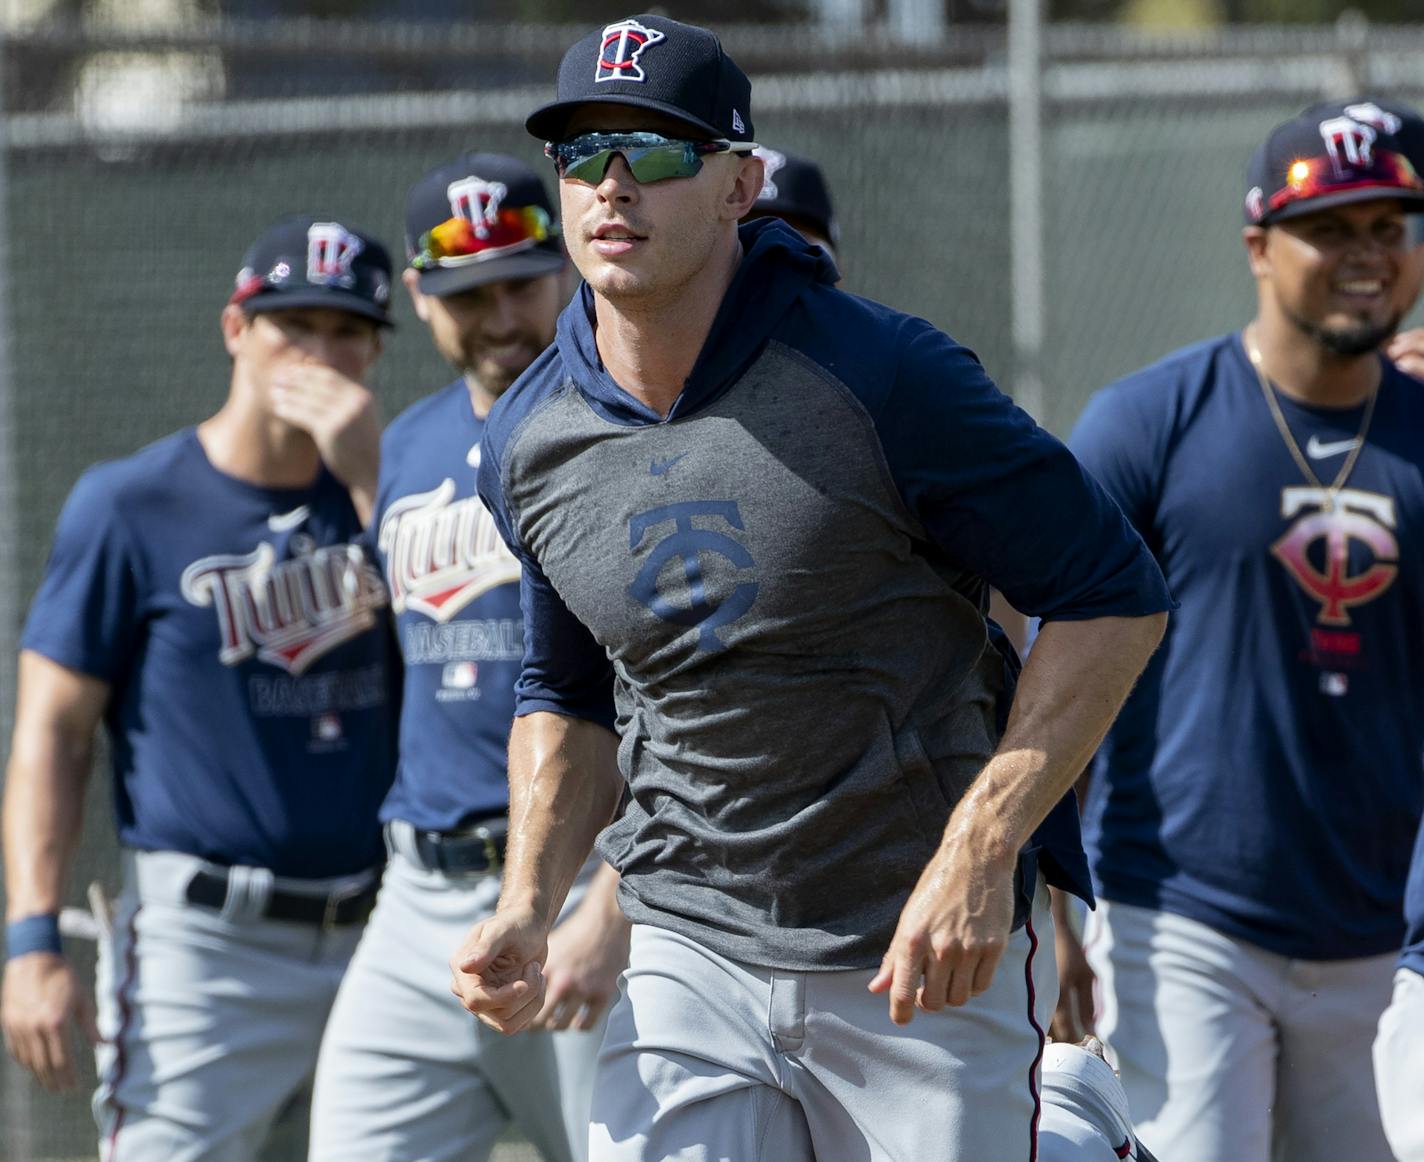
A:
[623, 44]
[477, 201]
[331, 249]
[1350, 139]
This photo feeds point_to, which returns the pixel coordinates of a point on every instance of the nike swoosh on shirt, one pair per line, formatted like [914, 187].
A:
[281, 522]
[658, 467]
[1318, 449]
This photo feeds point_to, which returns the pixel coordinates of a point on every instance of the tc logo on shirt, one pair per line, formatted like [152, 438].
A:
[1364, 518]
[687, 543]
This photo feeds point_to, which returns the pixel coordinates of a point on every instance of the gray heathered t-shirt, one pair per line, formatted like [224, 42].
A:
[803, 683]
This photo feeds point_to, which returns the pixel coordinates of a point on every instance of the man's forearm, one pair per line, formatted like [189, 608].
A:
[601, 899]
[1075, 682]
[43, 815]
[56, 714]
[563, 788]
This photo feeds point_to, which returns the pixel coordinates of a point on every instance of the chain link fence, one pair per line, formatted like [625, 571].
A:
[137, 163]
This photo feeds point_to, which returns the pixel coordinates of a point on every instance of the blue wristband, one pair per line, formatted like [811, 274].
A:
[33, 934]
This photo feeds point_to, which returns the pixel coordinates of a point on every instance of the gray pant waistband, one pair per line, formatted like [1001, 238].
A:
[163, 877]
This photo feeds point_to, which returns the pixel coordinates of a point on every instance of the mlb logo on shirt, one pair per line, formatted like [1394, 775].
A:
[1335, 684]
[459, 681]
[460, 675]
[327, 728]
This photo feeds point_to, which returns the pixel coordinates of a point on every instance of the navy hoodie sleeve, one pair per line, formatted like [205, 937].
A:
[1004, 499]
[565, 670]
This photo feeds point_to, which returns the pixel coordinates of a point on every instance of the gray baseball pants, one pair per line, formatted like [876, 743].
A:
[405, 1073]
[1230, 1053]
[211, 1020]
[707, 1059]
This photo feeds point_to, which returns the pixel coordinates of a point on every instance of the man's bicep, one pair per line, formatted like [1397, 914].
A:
[1004, 499]
[565, 671]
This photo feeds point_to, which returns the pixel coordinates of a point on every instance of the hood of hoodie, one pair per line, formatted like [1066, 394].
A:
[777, 266]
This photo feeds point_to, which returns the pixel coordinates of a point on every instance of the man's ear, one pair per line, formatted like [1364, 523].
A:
[234, 322]
[1254, 238]
[746, 188]
[411, 279]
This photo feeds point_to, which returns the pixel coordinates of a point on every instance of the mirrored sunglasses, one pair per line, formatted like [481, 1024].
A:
[651, 157]
[457, 241]
[1316, 177]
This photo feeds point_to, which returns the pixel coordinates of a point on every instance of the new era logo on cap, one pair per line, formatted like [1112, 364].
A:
[623, 44]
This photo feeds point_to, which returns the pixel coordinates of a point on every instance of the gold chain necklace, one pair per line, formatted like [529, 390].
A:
[1333, 489]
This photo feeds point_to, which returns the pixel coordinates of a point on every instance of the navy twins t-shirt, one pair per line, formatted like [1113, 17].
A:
[1265, 777]
[455, 593]
[245, 639]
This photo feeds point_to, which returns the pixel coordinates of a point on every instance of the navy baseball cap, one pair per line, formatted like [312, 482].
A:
[481, 218]
[1333, 154]
[315, 261]
[653, 63]
[795, 188]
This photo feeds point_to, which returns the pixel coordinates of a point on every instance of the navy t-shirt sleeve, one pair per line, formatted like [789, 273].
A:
[565, 670]
[1002, 498]
[86, 615]
[1116, 443]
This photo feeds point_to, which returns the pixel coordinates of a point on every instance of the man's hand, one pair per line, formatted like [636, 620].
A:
[1407, 351]
[952, 933]
[586, 954]
[498, 971]
[343, 421]
[1075, 1015]
[41, 999]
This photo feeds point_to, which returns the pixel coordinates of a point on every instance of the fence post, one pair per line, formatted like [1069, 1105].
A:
[916, 21]
[16, 1109]
[1350, 75]
[1026, 201]
[840, 13]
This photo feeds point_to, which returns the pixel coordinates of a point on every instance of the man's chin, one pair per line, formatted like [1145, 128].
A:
[1349, 338]
[496, 379]
[1356, 338]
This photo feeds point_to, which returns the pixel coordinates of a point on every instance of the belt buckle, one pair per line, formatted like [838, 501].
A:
[493, 863]
[334, 900]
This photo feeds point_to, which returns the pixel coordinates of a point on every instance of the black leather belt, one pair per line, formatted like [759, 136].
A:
[470, 850]
[208, 889]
